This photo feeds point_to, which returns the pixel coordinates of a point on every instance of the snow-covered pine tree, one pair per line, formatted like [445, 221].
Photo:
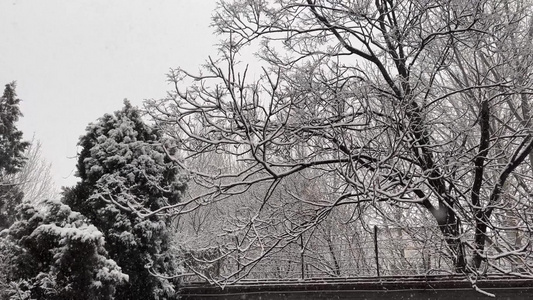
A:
[54, 253]
[11, 154]
[126, 174]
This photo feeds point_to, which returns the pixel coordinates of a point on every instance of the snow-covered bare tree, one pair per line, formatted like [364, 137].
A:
[421, 105]
[35, 179]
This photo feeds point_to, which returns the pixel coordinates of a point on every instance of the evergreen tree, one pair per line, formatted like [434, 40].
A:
[11, 154]
[54, 253]
[126, 174]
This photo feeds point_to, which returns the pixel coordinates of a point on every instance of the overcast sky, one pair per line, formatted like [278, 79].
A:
[77, 60]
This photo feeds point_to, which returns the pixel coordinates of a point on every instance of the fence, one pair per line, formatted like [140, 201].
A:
[397, 288]
[385, 251]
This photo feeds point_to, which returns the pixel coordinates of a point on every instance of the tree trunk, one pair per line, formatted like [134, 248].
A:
[450, 227]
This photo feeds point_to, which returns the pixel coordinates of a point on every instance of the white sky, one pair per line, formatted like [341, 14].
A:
[76, 60]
